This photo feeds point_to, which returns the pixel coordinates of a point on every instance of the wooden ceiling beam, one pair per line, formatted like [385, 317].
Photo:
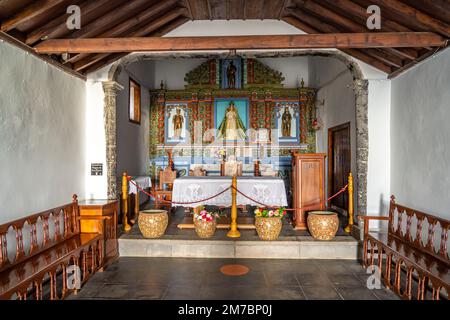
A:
[414, 16]
[85, 60]
[28, 13]
[114, 57]
[303, 41]
[376, 63]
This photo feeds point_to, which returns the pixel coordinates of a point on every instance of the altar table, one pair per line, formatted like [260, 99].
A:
[268, 190]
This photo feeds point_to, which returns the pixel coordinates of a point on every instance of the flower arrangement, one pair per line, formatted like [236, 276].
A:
[221, 153]
[275, 213]
[200, 214]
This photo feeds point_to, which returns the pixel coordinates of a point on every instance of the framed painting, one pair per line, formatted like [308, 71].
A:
[231, 117]
[231, 73]
[287, 120]
[176, 122]
[134, 102]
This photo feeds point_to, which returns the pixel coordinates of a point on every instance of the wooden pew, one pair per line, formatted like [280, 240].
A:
[39, 251]
[412, 257]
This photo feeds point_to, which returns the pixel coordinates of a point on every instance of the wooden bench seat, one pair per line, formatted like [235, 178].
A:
[412, 259]
[54, 245]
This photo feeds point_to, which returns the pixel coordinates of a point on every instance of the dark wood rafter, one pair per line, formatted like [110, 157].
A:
[352, 52]
[343, 24]
[148, 15]
[322, 27]
[103, 23]
[29, 12]
[114, 57]
[414, 17]
[57, 27]
[146, 30]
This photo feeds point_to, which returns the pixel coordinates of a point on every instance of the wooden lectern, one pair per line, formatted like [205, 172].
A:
[308, 185]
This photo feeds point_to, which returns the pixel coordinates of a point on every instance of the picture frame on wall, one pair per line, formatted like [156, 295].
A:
[134, 102]
[176, 122]
[287, 121]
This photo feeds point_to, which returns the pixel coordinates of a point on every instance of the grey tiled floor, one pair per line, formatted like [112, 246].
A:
[201, 279]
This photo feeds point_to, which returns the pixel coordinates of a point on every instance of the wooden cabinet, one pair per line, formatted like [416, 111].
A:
[308, 185]
[100, 216]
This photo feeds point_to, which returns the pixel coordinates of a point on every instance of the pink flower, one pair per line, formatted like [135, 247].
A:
[270, 213]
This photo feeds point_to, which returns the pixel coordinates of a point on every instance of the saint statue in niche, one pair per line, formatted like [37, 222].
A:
[177, 120]
[286, 123]
[231, 75]
[232, 127]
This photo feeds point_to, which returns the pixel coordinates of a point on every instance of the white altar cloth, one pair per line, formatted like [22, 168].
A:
[268, 190]
[144, 182]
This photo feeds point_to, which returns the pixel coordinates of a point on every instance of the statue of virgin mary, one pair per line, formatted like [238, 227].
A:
[232, 127]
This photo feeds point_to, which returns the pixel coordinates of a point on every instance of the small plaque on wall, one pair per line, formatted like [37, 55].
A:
[96, 169]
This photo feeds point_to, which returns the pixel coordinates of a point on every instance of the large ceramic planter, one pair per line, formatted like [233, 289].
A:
[268, 228]
[153, 223]
[323, 225]
[205, 229]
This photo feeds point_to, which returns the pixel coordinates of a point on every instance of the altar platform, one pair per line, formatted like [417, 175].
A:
[184, 243]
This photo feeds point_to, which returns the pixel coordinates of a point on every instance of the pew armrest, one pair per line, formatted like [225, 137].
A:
[367, 220]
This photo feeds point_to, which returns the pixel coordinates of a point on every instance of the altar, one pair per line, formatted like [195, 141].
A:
[269, 191]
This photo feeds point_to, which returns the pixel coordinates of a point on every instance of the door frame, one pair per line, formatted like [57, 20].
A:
[347, 126]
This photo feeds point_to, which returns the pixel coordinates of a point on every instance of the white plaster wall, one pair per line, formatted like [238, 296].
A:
[378, 174]
[420, 131]
[334, 80]
[132, 138]
[42, 137]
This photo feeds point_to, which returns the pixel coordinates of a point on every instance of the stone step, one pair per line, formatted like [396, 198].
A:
[347, 248]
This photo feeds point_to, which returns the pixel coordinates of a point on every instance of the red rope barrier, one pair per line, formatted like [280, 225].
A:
[129, 178]
[173, 202]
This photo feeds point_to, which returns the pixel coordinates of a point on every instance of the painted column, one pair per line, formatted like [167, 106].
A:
[360, 87]
[111, 88]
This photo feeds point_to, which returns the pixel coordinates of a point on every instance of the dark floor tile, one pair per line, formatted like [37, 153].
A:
[357, 294]
[281, 278]
[287, 293]
[385, 294]
[252, 293]
[148, 292]
[345, 280]
[332, 266]
[218, 293]
[182, 293]
[326, 292]
[312, 279]
[115, 291]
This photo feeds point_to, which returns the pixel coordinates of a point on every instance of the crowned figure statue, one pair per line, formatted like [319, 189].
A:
[231, 127]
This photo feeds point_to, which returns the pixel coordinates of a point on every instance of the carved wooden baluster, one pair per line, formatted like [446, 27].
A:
[66, 224]
[398, 231]
[3, 249]
[408, 225]
[443, 246]
[419, 239]
[84, 262]
[20, 252]
[33, 238]
[57, 223]
[431, 227]
[45, 231]
[64, 281]
[93, 266]
[398, 266]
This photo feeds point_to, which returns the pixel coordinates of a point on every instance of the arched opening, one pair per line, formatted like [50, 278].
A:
[357, 83]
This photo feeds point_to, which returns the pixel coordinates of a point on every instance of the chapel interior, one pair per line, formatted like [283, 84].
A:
[231, 136]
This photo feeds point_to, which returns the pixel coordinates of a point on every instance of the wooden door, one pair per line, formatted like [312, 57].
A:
[339, 163]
